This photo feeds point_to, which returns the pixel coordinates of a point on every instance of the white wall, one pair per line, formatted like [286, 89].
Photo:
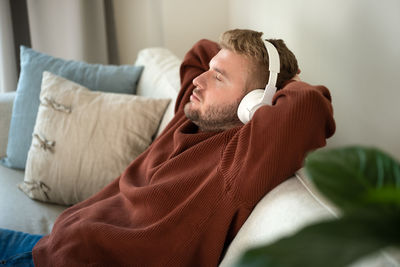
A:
[186, 21]
[351, 46]
[138, 25]
[175, 24]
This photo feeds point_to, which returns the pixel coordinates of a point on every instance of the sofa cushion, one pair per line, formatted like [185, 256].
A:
[117, 79]
[83, 140]
[160, 78]
[19, 212]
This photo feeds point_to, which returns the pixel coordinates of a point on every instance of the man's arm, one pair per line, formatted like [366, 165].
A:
[273, 145]
[196, 62]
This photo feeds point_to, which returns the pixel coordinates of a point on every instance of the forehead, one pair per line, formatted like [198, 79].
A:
[229, 61]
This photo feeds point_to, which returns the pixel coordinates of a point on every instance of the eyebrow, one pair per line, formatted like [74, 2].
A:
[222, 72]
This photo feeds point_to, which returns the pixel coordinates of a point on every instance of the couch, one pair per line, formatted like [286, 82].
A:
[286, 209]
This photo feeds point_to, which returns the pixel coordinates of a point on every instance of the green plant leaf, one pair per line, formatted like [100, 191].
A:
[329, 243]
[356, 178]
[365, 184]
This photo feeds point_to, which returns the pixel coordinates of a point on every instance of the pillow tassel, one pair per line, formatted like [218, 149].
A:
[45, 144]
[29, 186]
[53, 104]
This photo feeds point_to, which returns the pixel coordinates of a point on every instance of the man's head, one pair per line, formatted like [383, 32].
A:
[250, 44]
[239, 67]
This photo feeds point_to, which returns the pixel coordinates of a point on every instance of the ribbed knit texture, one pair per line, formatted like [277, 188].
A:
[184, 199]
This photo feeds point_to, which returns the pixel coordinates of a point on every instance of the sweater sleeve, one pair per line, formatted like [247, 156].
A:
[273, 145]
[196, 62]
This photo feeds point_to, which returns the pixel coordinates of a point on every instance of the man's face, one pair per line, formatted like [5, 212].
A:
[214, 102]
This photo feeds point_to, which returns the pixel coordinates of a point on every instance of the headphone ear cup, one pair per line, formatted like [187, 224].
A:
[249, 104]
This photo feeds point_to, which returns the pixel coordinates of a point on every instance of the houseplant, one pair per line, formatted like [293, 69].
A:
[364, 183]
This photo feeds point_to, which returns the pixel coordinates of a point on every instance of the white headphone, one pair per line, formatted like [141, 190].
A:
[260, 97]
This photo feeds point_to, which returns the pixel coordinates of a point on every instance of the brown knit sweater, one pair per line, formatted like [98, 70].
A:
[184, 199]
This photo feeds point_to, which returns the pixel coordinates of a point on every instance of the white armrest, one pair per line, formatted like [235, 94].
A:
[6, 104]
[286, 209]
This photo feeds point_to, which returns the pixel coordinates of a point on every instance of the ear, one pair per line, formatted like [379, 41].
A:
[296, 78]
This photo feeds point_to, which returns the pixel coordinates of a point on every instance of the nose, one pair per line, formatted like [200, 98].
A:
[199, 81]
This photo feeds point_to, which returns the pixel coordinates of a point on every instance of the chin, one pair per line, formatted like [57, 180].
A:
[190, 112]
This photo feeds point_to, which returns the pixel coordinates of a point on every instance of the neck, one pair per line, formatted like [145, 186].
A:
[205, 127]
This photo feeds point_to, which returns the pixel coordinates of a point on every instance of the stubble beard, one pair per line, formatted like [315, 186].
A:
[215, 118]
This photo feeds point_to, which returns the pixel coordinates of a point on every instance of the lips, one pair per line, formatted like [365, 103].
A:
[194, 96]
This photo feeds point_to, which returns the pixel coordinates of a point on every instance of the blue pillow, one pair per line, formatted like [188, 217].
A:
[106, 78]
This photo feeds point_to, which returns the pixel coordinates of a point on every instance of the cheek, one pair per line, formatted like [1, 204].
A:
[216, 96]
[222, 93]
[223, 99]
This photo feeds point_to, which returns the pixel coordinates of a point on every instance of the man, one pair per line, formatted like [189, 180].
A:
[184, 199]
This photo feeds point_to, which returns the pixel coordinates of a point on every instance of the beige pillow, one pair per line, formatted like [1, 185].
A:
[83, 140]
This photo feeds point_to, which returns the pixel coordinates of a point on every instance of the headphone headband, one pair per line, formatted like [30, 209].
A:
[273, 57]
[274, 69]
